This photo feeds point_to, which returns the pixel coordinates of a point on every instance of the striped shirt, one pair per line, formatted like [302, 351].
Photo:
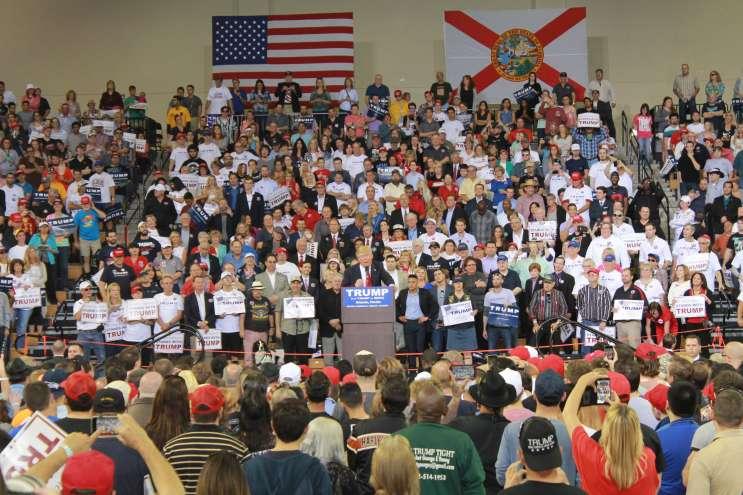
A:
[686, 86]
[594, 303]
[188, 452]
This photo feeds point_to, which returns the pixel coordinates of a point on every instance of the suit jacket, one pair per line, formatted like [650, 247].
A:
[308, 259]
[531, 288]
[216, 221]
[402, 279]
[377, 248]
[328, 308]
[215, 269]
[596, 211]
[429, 305]
[313, 288]
[329, 201]
[718, 211]
[457, 214]
[256, 210]
[378, 274]
[282, 284]
[191, 314]
[396, 217]
[508, 234]
[344, 246]
[422, 260]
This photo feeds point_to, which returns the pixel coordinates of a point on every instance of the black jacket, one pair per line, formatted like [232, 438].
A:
[718, 211]
[366, 437]
[164, 212]
[378, 274]
[486, 432]
[256, 210]
[457, 214]
[216, 222]
[429, 305]
[191, 314]
[343, 245]
[597, 211]
[329, 201]
[328, 308]
[214, 267]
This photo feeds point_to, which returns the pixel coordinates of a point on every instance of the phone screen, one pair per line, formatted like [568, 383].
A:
[107, 424]
[463, 372]
[603, 391]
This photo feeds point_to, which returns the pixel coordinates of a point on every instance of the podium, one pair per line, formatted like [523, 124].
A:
[368, 316]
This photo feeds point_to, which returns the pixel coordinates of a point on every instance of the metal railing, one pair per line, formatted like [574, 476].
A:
[554, 324]
[187, 330]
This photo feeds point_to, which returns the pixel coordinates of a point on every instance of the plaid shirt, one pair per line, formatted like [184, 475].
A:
[589, 148]
[481, 226]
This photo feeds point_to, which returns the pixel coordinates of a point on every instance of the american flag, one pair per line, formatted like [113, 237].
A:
[265, 47]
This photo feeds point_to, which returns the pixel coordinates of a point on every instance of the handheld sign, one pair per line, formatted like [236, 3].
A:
[454, 314]
[697, 262]
[212, 339]
[116, 211]
[398, 247]
[198, 215]
[590, 339]
[62, 226]
[299, 307]
[129, 137]
[632, 242]
[589, 119]
[278, 198]
[140, 145]
[503, 316]
[628, 309]
[38, 439]
[140, 309]
[229, 303]
[689, 307]
[27, 298]
[172, 344]
[94, 312]
[526, 93]
[114, 331]
[543, 231]
[94, 193]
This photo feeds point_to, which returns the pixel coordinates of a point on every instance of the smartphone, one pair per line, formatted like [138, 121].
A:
[107, 424]
[463, 372]
[609, 353]
[603, 391]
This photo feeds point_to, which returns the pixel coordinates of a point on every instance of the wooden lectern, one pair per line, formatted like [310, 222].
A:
[368, 315]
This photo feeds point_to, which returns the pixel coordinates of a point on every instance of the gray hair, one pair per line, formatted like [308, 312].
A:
[324, 441]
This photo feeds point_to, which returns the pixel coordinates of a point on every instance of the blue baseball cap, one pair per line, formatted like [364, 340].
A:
[502, 257]
[574, 243]
[549, 387]
[610, 257]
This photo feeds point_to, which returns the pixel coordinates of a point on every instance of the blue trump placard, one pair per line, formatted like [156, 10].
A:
[368, 297]
[503, 316]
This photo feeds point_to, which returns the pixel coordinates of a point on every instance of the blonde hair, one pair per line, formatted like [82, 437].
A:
[324, 441]
[621, 441]
[393, 470]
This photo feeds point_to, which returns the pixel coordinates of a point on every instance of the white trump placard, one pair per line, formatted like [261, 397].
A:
[212, 339]
[171, 344]
[299, 307]
[689, 307]
[628, 309]
[454, 314]
[140, 309]
[94, 312]
[26, 298]
[38, 439]
[590, 339]
[229, 303]
[632, 242]
[542, 231]
[697, 262]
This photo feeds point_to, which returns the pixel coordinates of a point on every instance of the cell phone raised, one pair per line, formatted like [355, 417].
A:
[463, 371]
[107, 424]
[603, 391]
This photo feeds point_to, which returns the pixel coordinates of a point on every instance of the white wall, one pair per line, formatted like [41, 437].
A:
[159, 45]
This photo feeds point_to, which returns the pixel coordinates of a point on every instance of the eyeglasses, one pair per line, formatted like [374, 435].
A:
[618, 215]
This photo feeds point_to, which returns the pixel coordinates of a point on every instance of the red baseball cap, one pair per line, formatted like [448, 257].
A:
[658, 397]
[85, 200]
[206, 399]
[479, 245]
[333, 374]
[16, 217]
[552, 362]
[576, 175]
[620, 386]
[281, 250]
[594, 270]
[520, 352]
[78, 477]
[595, 355]
[118, 252]
[78, 384]
[647, 351]
[306, 370]
[349, 378]
[136, 288]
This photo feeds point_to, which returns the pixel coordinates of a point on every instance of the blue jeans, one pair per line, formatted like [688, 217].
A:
[415, 338]
[92, 343]
[646, 148]
[584, 350]
[438, 339]
[507, 334]
[21, 317]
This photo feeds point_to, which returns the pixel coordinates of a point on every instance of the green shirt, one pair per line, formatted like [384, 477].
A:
[447, 460]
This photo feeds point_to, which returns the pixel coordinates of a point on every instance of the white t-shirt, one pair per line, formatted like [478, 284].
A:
[167, 307]
[579, 196]
[574, 267]
[136, 332]
[218, 97]
[243, 157]
[17, 252]
[336, 188]
[12, 196]
[597, 175]
[611, 280]
[684, 247]
[354, 164]
[209, 152]
[288, 269]
[104, 182]
[452, 129]
[657, 246]
[178, 155]
[436, 237]
[712, 267]
[653, 290]
[228, 323]
[83, 326]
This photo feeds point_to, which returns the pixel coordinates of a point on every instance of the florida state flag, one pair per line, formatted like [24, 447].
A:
[500, 48]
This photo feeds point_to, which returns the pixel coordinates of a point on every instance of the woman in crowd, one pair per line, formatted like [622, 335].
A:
[46, 246]
[394, 470]
[21, 279]
[170, 411]
[536, 87]
[8, 157]
[222, 474]
[71, 100]
[642, 125]
[618, 462]
[255, 420]
[650, 286]
[467, 92]
[260, 98]
[347, 96]
[715, 87]
[679, 285]
[483, 117]
[698, 325]
[116, 321]
[36, 271]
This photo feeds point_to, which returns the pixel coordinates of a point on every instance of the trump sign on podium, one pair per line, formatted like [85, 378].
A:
[500, 48]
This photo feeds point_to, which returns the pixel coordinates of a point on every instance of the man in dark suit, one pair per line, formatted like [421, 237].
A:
[301, 256]
[453, 213]
[417, 319]
[198, 307]
[515, 229]
[564, 282]
[309, 283]
[335, 239]
[725, 206]
[367, 272]
[202, 256]
[224, 221]
[320, 199]
[376, 245]
[532, 286]
[251, 203]
[397, 217]
[601, 206]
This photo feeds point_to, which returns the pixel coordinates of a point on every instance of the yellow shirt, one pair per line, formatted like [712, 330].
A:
[398, 109]
[173, 112]
[467, 189]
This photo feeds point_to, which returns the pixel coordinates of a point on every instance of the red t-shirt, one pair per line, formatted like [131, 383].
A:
[590, 460]
[660, 328]
[137, 264]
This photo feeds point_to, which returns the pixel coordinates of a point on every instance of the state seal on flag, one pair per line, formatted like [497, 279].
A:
[516, 53]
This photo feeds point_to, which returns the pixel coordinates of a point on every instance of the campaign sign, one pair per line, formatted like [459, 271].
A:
[94, 312]
[398, 247]
[229, 303]
[194, 183]
[212, 339]
[668, 166]
[6, 283]
[94, 193]
[129, 137]
[140, 309]
[113, 331]
[697, 262]
[632, 242]
[543, 231]
[590, 339]
[345, 222]
[140, 145]
[172, 344]
[367, 297]
[454, 314]
[299, 307]
[40, 197]
[278, 198]
[27, 298]
[120, 178]
[312, 249]
[62, 226]
[37, 439]
[198, 215]
[526, 93]
[589, 119]
[628, 309]
[689, 307]
[116, 211]
[503, 316]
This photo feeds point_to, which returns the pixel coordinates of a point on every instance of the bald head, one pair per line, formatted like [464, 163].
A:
[150, 383]
[231, 374]
[430, 403]
[58, 348]
[734, 354]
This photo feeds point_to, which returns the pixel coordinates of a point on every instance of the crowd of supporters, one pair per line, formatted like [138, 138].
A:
[527, 210]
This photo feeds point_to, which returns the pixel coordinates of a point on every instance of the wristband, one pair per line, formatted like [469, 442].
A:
[67, 450]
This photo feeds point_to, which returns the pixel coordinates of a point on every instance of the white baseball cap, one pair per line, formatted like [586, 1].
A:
[290, 373]
[513, 378]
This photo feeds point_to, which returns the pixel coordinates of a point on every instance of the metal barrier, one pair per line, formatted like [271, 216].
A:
[553, 324]
[185, 329]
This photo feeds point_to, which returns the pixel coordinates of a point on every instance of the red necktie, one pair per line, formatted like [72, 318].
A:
[333, 241]
[368, 278]
[301, 259]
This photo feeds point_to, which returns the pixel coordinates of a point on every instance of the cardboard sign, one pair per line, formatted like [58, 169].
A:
[113, 332]
[120, 178]
[312, 248]
[85, 130]
[632, 242]
[526, 93]
[278, 197]
[198, 215]
[345, 223]
[172, 344]
[40, 197]
[454, 314]
[94, 193]
[590, 339]
[543, 231]
[6, 283]
[38, 439]
[628, 309]
[140, 309]
[503, 316]
[62, 226]
[689, 307]
[212, 339]
[140, 145]
[27, 298]
[299, 307]
[108, 126]
[194, 183]
[229, 303]
[94, 312]
[113, 213]
[697, 262]
[398, 247]
[129, 137]
[668, 166]
[589, 119]
[99, 123]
